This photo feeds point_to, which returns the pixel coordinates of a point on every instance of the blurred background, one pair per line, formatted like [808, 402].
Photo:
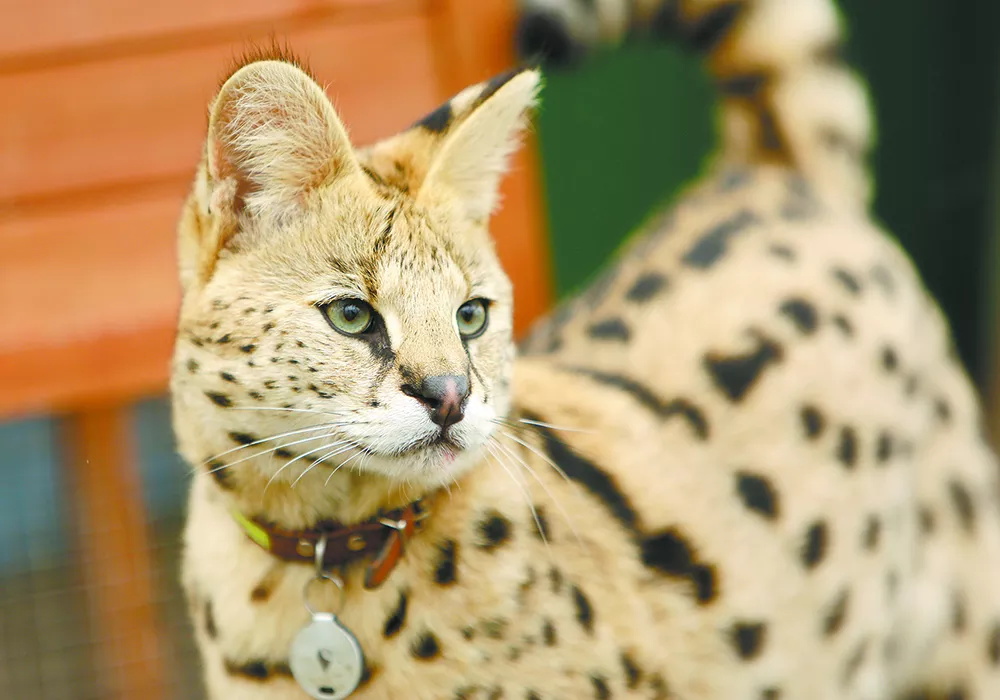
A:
[101, 120]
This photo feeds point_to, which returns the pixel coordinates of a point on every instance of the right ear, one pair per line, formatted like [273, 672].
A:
[274, 136]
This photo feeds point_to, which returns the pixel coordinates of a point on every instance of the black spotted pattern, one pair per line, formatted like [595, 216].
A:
[847, 447]
[426, 647]
[735, 375]
[836, 614]
[748, 639]
[812, 422]
[610, 329]
[671, 553]
[961, 500]
[601, 690]
[815, 544]
[801, 313]
[445, 572]
[757, 494]
[397, 618]
[494, 531]
[712, 244]
[646, 287]
[584, 610]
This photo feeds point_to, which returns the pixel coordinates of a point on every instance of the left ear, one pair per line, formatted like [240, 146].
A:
[483, 125]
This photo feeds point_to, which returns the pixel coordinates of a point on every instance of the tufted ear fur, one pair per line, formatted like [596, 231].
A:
[472, 155]
[273, 137]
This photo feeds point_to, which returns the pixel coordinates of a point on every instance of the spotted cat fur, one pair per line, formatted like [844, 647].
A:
[743, 465]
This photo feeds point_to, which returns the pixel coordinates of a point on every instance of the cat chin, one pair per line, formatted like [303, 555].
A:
[431, 467]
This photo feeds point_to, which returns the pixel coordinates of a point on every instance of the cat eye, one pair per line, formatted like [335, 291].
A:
[349, 316]
[471, 318]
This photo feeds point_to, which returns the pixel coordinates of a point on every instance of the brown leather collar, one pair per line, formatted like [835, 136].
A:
[383, 537]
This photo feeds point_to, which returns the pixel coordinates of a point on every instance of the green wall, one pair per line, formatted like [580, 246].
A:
[626, 130]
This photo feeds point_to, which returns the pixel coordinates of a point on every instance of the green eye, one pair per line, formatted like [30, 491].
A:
[349, 316]
[471, 318]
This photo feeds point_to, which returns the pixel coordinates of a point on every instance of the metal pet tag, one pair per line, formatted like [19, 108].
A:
[326, 659]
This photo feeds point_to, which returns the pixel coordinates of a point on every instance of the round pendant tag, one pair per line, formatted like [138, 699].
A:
[326, 659]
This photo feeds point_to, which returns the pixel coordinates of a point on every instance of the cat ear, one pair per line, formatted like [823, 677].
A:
[478, 130]
[273, 136]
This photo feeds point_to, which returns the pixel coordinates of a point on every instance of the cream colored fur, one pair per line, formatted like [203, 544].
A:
[742, 466]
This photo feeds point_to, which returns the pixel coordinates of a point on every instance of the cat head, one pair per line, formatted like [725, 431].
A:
[344, 306]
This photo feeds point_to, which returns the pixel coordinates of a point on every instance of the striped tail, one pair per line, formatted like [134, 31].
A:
[786, 95]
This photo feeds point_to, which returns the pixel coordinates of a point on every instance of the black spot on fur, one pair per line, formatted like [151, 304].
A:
[600, 484]
[743, 85]
[993, 645]
[872, 533]
[848, 280]
[397, 617]
[748, 639]
[221, 473]
[961, 500]
[883, 448]
[532, 695]
[468, 633]
[541, 524]
[781, 251]
[801, 313]
[633, 674]
[549, 633]
[925, 516]
[248, 348]
[584, 610]
[712, 244]
[646, 287]
[959, 614]
[601, 690]
[812, 422]
[192, 366]
[942, 410]
[494, 628]
[609, 329]
[494, 529]
[210, 627]
[665, 409]
[843, 325]
[658, 687]
[890, 360]
[770, 694]
[815, 545]
[555, 579]
[284, 454]
[847, 447]
[242, 438]
[256, 670]
[437, 121]
[670, 553]
[854, 663]
[834, 618]
[426, 647]
[735, 375]
[219, 399]
[757, 494]
[445, 572]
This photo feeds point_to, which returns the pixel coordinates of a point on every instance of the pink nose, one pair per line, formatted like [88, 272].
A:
[443, 395]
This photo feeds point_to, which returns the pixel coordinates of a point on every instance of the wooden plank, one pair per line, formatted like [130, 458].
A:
[143, 117]
[474, 42]
[115, 553]
[45, 26]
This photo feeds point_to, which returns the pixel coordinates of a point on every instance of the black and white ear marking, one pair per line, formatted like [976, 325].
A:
[480, 128]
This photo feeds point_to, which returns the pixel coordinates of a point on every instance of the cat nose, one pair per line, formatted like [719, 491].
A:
[443, 395]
